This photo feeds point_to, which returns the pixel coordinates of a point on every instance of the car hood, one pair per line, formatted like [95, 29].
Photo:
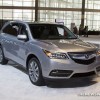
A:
[73, 45]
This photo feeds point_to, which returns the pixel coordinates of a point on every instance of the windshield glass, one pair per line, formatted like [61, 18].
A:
[50, 31]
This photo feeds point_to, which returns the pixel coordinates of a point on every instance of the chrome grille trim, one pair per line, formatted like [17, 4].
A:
[84, 57]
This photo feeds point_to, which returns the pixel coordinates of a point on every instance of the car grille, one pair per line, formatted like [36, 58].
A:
[84, 58]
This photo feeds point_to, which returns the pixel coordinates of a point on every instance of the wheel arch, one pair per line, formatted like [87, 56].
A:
[29, 57]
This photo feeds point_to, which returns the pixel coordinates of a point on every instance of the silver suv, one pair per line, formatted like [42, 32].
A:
[47, 51]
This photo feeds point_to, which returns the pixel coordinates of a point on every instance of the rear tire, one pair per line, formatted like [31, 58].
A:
[35, 72]
[3, 60]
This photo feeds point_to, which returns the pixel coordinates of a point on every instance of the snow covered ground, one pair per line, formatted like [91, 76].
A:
[15, 85]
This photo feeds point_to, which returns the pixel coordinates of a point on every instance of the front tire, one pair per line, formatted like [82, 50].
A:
[35, 72]
[3, 60]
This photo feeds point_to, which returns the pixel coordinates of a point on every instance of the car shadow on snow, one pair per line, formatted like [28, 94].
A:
[72, 83]
[19, 67]
[68, 83]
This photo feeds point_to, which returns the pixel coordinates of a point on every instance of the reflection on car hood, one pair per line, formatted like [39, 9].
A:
[73, 45]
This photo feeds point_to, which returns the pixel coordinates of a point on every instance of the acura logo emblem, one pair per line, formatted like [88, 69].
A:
[87, 56]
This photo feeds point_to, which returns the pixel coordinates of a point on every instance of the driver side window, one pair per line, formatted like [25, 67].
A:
[23, 30]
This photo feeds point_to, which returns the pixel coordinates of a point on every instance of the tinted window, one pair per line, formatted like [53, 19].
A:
[36, 30]
[47, 31]
[11, 29]
[23, 30]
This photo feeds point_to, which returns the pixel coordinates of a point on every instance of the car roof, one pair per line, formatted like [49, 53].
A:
[31, 23]
[36, 22]
[39, 22]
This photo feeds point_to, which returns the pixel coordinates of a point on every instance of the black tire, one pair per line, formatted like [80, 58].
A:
[35, 76]
[3, 60]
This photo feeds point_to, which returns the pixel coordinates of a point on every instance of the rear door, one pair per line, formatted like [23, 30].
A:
[9, 35]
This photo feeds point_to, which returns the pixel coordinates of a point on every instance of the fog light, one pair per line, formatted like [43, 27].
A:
[98, 69]
[61, 73]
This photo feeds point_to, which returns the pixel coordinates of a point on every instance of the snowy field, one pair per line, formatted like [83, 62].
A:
[15, 85]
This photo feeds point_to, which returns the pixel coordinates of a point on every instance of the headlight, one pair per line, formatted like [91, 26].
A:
[98, 52]
[57, 55]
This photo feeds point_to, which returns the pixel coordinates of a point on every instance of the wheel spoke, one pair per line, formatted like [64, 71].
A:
[31, 64]
[36, 69]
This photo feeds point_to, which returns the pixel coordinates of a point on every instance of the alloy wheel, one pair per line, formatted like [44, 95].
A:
[34, 71]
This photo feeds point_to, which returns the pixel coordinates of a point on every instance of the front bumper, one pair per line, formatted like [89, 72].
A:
[65, 69]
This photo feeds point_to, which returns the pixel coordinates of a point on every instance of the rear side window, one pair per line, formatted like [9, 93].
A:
[11, 29]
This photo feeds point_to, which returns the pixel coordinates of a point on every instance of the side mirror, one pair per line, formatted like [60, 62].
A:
[22, 37]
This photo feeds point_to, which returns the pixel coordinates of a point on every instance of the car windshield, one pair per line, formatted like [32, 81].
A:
[51, 31]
